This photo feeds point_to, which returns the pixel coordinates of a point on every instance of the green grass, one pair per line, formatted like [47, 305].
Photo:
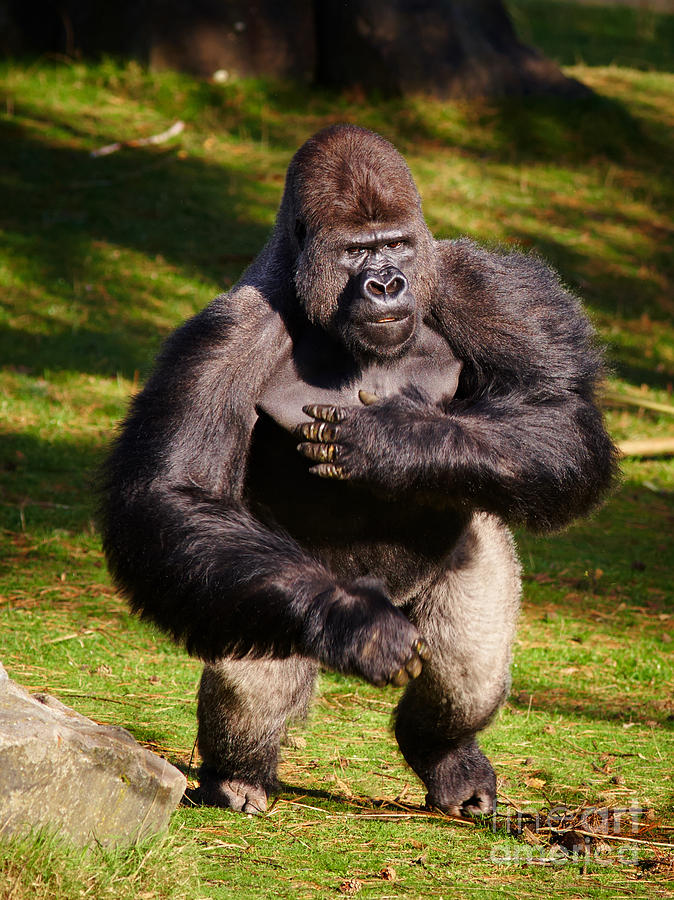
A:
[101, 258]
[600, 34]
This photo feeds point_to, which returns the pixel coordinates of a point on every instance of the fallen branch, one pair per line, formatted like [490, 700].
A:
[613, 397]
[648, 447]
[160, 138]
[70, 637]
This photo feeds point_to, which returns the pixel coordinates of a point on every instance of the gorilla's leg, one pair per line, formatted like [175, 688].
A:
[467, 616]
[243, 709]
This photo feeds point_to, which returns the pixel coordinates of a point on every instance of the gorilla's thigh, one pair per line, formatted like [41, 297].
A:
[243, 708]
[467, 616]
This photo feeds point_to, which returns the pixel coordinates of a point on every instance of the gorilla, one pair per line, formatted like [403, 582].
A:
[324, 465]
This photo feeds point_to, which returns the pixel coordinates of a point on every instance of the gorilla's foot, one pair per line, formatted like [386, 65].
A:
[462, 782]
[231, 793]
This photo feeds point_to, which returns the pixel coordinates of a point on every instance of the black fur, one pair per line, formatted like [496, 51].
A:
[213, 523]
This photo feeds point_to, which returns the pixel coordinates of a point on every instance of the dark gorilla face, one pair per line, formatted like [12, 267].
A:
[363, 258]
[377, 312]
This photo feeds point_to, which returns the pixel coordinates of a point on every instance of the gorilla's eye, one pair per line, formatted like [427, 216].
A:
[395, 245]
[354, 251]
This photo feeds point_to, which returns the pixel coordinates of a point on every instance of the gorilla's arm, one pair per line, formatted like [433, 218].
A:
[522, 437]
[184, 548]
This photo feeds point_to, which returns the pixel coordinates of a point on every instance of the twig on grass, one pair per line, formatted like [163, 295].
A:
[81, 696]
[69, 637]
[659, 446]
[616, 397]
[648, 447]
[419, 814]
[160, 138]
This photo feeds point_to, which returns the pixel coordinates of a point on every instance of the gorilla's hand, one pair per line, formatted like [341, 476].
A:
[371, 443]
[323, 441]
[358, 631]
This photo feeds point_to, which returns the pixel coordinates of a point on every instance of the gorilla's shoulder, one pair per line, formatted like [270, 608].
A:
[507, 310]
[235, 322]
[501, 281]
[463, 261]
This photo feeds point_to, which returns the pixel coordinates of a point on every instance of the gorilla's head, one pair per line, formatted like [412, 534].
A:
[364, 262]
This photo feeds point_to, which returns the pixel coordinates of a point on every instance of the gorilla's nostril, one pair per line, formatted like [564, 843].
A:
[394, 286]
[376, 288]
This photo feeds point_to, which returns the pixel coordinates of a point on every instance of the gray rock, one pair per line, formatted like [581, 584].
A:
[90, 782]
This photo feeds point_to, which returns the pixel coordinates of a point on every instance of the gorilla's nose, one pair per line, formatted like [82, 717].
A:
[384, 286]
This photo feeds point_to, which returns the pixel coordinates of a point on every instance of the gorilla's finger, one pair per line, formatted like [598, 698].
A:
[325, 413]
[422, 649]
[317, 431]
[319, 452]
[329, 470]
[414, 667]
[367, 398]
[400, 678]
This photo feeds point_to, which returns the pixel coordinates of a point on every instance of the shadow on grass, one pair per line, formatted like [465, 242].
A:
[576, 702]
[63, 211]
[622, 553]
[47, 483]
[604, 34]
[329, 801]
[58, 209]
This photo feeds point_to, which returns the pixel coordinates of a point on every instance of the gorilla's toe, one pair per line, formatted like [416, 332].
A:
[480, 804]
[463, 783]
[233, 794]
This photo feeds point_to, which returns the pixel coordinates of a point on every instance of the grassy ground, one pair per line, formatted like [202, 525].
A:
[101, 258]
[602, 34]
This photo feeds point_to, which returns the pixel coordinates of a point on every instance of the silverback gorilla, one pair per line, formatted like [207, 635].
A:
[324, 463]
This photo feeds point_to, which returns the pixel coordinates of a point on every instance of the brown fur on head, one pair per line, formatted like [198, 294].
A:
[343, 179]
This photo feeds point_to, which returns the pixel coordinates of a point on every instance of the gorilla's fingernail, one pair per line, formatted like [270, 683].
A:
[422, 648]
[400, 678]
[324, 413]
[329, 470]
[414, 667]
[367, 397]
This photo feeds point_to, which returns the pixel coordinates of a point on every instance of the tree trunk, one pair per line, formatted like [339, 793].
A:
[241, 37]
[449, 48]
[238, 37]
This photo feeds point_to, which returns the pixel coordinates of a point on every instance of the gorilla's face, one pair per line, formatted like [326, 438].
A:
[377, 312]
[361, 284]
[364, 261]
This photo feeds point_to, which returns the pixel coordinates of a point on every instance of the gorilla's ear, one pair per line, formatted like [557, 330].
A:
[300, 233]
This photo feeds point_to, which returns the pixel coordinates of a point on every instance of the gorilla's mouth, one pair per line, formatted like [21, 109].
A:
[387, 319]
[389, 331]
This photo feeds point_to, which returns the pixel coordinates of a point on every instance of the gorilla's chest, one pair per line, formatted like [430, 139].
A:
[303, 376]
[337, 516]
